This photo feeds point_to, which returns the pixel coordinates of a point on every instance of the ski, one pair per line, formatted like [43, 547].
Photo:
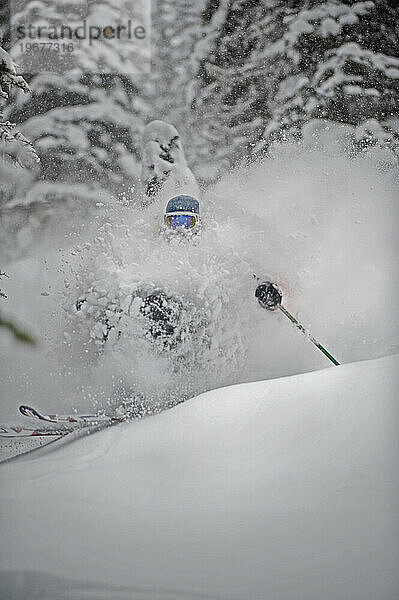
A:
[17, 432]
[28, 411]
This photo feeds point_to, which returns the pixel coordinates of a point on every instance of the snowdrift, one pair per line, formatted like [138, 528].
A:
[284, 489]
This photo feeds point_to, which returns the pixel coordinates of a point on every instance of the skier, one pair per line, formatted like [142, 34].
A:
[181, 216]
[163, 312]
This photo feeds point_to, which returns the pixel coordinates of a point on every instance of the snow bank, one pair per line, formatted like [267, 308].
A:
[284, 489]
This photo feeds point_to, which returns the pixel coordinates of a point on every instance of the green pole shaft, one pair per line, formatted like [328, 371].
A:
[312, 339]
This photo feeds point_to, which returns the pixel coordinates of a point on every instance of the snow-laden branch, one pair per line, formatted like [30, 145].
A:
[25, 154]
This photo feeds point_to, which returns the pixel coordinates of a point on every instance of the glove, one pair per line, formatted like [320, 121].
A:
[268, 295]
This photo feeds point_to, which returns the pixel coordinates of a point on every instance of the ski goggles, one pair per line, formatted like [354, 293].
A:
[184, 220]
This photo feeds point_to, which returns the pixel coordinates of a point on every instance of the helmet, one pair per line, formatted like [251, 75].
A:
[182, 212]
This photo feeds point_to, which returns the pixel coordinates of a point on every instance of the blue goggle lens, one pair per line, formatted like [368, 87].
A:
[186, 221]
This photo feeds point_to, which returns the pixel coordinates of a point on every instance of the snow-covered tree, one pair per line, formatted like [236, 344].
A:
[18, 147]
[235, 84]
[84, 128]
[18, 154]
[18, 157]
[176, 25]
[275, 66]
[85, 118]
[77, 132]
[98, 36]
[84, 115]
[176, 35]
[343, 66]
[164, 165]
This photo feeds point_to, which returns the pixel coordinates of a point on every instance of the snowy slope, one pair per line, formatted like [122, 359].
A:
[283, 489]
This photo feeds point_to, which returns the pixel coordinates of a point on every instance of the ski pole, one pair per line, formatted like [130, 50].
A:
[299, 326]
[270, 297]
